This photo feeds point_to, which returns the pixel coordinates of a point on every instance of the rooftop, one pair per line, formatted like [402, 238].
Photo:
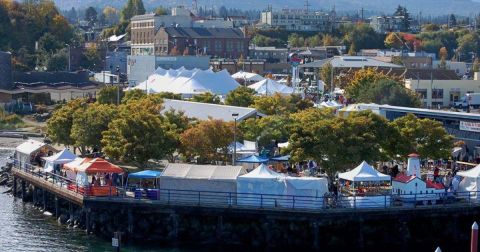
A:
[204, 111]
[184, 32]
[350, 62]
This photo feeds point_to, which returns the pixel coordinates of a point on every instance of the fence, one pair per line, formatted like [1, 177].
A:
[257, 201]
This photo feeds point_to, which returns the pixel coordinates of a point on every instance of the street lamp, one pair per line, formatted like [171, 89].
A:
[234, 158]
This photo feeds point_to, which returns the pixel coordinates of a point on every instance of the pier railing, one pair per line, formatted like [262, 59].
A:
[252, 200]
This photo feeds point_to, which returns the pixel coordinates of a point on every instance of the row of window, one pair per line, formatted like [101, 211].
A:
[144, 24]
[142, 37]
[439, 94]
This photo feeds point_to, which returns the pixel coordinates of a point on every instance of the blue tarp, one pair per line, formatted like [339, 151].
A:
[281, 158]
[145, 174]
[253, 159]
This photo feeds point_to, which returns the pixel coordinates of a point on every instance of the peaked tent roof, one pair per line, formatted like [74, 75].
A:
[63, 156]
[247, 76]
[77, 162]
[262, 172]
[270, 87]
[364, 172]
[183, 81]
[281, 158]
[472, 173]
[98, 165]
[145, 174]
[253, 159]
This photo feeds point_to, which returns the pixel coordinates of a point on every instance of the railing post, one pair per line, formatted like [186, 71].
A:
[199, 198]
[293, 203]
[261, 200]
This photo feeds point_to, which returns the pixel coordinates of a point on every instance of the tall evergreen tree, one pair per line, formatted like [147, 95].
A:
[133, 7]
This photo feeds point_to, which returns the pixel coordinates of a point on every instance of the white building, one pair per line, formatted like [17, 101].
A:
[298, 20]
[385, 24]
[442, 93]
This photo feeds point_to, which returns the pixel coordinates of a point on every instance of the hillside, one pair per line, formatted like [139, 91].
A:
[427, 7]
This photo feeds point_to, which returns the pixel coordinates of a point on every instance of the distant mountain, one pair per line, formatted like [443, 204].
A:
[427, 7]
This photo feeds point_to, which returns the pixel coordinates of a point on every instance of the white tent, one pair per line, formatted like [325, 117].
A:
[470, 181]
[260, 187]
[270, 87]
[305, 192]
[249, 77]
[63, 157]
[365, 173]
[188, 82]
[185, 183]
[25, 151]
[330, 104]
[247, 148]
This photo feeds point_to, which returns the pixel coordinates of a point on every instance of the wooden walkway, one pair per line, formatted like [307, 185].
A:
[55, 188]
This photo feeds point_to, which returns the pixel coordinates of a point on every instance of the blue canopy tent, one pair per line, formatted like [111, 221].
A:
[253, 159]
[285, 158]
[152, 193]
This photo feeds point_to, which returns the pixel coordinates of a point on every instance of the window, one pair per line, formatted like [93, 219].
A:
[422, 93]
[229, 46]
[437, 93]
[218, 46]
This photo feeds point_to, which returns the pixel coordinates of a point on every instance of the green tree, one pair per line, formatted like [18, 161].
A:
[468, 44]
[328, 40]
[139, 133]
[389, 92]
[206, 98]
[59, 126]
[161, 11]
[326, 75]
[132, 8]
[110, 95]
[402, 11]
[393, 41]
[266, 129]
[89, 123]
[91, 59]
[208, 140]
[362, 80]
[426, 137]
[353, 50]
[58, 61]
[91, 15]
[276, 104]
[133, 95]
[241, 96]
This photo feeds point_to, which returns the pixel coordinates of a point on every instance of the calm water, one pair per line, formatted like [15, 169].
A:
[24, 228]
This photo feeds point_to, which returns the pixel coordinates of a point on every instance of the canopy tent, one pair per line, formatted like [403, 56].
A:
[253, 159]
[73, 165]
[261, 187]
[330, 104]
[63, 157]
[281, 158]
[248, 147]
[249, 77]
[364, 172]
[270, 87]
[147, 174]
[189, 82]
[98, 165]
[305, 192]
[470, 182]
[25, 151]
[185, 182]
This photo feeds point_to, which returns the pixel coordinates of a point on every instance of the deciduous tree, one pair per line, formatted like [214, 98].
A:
[241, 96]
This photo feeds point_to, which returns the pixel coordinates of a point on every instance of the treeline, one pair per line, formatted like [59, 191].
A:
[135, 131]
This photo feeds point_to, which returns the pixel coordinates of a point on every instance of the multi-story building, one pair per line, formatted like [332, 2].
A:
[385, 24]
[298, 20]
[269, 53]
[158, 35]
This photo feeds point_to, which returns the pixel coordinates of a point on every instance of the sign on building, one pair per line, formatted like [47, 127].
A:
[470, 126]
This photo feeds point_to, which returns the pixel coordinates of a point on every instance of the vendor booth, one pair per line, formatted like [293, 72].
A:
[94, 177]
[209, 184]
[365, 187]
[31, 152]
[250, 162]
[305, 192]
[144, 183]
[54, 163]
[412, 189]
[261, 187]
[469, 185]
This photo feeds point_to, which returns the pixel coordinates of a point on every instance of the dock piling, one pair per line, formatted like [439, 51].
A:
[24, 191]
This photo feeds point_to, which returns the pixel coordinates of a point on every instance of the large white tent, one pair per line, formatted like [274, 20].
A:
[305, 192]
[365, 173]
[188, 82]
[25, 152]
[248, 77]
[270, 87]
[185, 183]
[261, 187]
[63, 157]
[470, 182]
